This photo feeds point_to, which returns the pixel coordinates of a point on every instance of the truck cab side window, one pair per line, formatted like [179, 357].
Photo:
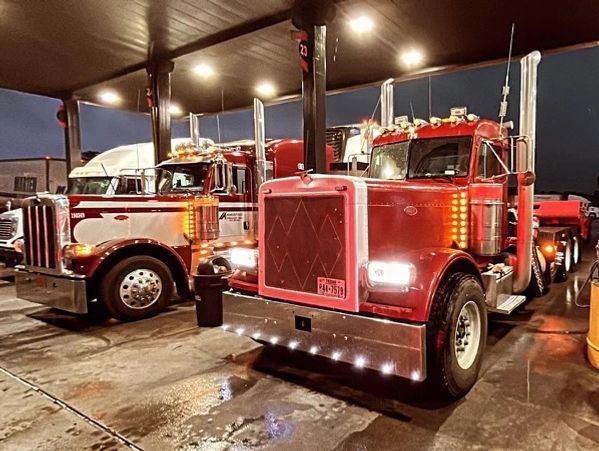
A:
[488, 163]
[240, 179]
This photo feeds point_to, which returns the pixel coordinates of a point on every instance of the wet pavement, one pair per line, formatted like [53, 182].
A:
[164, 383]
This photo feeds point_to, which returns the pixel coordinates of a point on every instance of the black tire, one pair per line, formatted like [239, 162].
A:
[537, 286]
[576, 252]
[151, 272]
[445, 374]
[563, 267]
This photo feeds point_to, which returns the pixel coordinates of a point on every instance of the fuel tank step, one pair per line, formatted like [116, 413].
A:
[506, 304]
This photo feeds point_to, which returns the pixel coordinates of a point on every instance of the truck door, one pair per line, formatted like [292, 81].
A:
[236, 210]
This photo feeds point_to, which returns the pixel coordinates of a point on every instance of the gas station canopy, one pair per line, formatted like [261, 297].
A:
[82, 48]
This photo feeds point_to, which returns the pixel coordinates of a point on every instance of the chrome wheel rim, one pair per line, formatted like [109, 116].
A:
[568, 257]
[576, 250]
[467, 335]
[140, 288]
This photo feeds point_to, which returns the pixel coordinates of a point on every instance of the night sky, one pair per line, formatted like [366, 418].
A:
[567, 121]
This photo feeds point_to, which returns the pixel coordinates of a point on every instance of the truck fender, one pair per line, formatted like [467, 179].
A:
[110, 252]
[432, 266]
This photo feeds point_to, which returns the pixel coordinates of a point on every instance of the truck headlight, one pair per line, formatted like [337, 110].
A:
[389, 274]
[244, 258]
[78, 250]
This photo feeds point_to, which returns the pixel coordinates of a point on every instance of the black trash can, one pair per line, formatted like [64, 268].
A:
[208, 299]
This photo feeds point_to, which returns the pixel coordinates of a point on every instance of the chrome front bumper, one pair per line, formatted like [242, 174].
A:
[383, 345]
[60, 292]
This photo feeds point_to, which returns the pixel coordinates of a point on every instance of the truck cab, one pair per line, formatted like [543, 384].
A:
[396, 271]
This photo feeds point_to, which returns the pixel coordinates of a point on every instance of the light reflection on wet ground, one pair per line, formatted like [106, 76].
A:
[165, 384]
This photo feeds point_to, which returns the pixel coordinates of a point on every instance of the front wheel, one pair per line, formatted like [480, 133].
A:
[456, 335]
[136, 288]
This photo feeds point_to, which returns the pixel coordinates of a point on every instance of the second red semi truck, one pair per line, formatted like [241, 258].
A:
[396, 271]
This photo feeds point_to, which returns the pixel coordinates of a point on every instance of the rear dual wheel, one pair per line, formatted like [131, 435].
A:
[565, 265]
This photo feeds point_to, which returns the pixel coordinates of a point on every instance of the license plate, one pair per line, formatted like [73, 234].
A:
[331, 287]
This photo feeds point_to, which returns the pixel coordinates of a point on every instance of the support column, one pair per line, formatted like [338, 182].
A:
[159, 99]
[311, 17]
[72, 134]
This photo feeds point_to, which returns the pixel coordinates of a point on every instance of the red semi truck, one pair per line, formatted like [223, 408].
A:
[396, 271]
[126, 253]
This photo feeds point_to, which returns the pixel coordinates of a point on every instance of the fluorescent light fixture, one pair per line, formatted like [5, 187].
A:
[175, 109]
[204, 70]
[110, 97]
[412, 58]
[265, 89]
[362, 24]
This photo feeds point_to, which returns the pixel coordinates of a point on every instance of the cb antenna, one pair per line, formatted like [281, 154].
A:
[505, 91]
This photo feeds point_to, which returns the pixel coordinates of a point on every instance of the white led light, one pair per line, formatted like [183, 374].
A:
[415, 376]
[412, 58]
[389, 273]
[110, 97]
[265, 89]
[225, 327]
[293, 344]
[387, 368]
[240, 331]
[274, 340]
[313, 349]
[256, 335]
[360, 362]
[204, 70]
[336, 355]
[242, 257]
[361, 24]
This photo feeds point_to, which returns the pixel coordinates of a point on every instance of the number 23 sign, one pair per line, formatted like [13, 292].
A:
[304, 51]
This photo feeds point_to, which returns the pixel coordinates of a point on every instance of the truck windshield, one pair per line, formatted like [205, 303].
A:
[183, 177]
[90, 185]
[422, 158]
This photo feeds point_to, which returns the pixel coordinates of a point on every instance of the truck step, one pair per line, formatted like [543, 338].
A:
[506, 304]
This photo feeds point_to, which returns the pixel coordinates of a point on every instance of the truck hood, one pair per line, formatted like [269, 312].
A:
[416, 213]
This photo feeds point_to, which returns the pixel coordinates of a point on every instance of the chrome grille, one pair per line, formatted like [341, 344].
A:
[6, 229]
[39, 229]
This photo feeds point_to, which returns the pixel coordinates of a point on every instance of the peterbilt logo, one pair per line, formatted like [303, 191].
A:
[410, 210]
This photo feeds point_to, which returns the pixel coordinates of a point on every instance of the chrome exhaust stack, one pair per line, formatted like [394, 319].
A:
[387, 103]
[525, 166]
[194, 129]
[261, 164]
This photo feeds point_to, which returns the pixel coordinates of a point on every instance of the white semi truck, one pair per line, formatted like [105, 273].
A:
[115, 171]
